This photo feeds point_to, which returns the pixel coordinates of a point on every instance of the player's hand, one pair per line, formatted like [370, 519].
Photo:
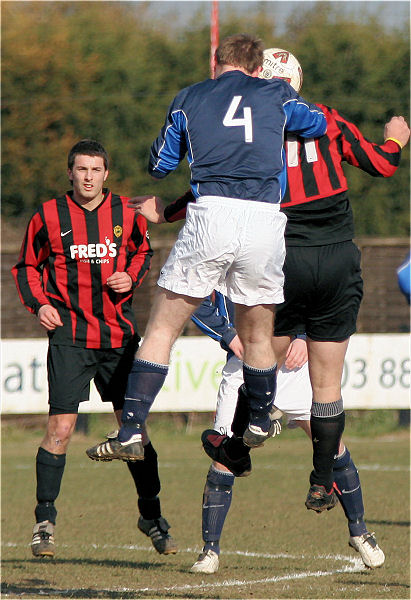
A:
[120, 282]
[297, 354]
[150, 207]
[237, 347]
[397, 128]
[49, 317]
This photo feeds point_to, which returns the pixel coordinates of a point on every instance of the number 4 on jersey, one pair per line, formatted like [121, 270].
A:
[246, 121]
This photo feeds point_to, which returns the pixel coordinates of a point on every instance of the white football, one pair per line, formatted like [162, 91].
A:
[282, 64]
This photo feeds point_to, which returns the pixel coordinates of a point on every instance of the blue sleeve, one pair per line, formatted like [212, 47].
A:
[170, 147]
[304, 118]
[214, 323]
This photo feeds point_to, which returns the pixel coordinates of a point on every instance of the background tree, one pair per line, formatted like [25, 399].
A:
[106, 70]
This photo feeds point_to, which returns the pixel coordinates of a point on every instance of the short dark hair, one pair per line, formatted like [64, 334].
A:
[241, 50]
[89, 148]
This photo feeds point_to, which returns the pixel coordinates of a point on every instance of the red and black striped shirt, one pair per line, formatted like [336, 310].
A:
[66, 257]
[316, 201]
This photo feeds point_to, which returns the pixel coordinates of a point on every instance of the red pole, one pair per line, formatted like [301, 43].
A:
[213, 35]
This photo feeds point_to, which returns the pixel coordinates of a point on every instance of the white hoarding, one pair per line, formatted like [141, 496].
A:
[376, 375]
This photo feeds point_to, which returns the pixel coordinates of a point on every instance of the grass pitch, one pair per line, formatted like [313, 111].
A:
[272, 547]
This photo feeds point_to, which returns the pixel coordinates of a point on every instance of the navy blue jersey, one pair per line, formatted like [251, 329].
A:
[232, 130]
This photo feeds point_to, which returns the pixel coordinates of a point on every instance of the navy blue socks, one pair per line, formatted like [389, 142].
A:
[349, 492]
[260, 386]
[216, 504]
[144, 383]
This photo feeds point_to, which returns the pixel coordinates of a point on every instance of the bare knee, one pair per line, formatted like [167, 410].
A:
[59, 431]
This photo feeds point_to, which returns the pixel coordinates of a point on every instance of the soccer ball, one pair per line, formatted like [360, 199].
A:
[282, 64]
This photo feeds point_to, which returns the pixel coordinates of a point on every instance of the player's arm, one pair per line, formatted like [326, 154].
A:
[27, 272]
[155, 211]
[139, 252]
[175, 211]
[170, 147]
[379, 160]
[149, 207]
[302, 117]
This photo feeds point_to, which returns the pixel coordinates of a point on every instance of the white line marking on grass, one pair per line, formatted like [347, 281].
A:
[355, 565]
[382, 468]
[236, 582]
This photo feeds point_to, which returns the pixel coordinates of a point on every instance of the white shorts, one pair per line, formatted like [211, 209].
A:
[234, 246]
[293, 396]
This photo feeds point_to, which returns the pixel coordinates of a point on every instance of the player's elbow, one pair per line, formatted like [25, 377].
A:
[156, 173]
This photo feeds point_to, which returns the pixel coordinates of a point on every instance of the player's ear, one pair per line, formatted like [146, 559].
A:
[70, 174]
[257, 72]
[105, 175]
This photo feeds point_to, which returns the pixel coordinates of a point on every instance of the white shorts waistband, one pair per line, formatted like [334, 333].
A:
[224, 200]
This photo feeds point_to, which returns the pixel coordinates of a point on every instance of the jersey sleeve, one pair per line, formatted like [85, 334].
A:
[27, 272]
[377, 160]
[175, 211]
[213, 323]
[170, 147]
[304, 118]
[139, 251]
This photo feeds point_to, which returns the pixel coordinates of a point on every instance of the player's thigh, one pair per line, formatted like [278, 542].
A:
[339, 290]
[69, 371]
[168, 316]
[231, 379]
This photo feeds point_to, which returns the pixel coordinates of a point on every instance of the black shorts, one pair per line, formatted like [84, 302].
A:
[70, 370]
[322, 292]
